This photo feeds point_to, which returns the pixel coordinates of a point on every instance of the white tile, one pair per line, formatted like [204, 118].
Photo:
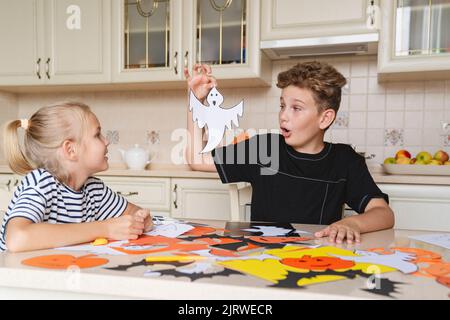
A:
[357, 137]
[413, 120]
[434, 101]
[375, 87]
[358, 102]
[339, 136]
[394, 119]
[432, 119]
[360, 68]
[375, 137]
[343, 68]
[431, 139]
[395, 87]
[373, 67]
[414, 101]
[358, 85]
[412, 137]
[395, 102]
[376, 120]
[357, 120]
[345, 101]
[376, 102]
[415, 87]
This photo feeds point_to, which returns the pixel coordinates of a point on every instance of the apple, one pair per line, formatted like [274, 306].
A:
[413, 161]
[389, 160]
[420, 162]
[402, 160]
[447, 163]
[424, 157]
[435, 162]
[441, 155]
[403, 154]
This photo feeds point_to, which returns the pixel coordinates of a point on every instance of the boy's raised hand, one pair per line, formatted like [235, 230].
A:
[341, 230]
[201, 81]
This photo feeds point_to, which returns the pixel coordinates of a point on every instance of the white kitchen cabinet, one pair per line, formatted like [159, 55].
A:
[231, 44]
[154, 41]
[150, 193]
[419, 207]
[414, 40]
[21, 35]
[293, 19]
[54, 42]
[146, 49]
[200, 199]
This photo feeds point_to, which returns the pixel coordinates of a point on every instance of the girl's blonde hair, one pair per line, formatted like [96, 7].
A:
[45, 132]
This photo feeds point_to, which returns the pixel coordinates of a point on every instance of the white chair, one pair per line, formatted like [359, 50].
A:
[240, 197]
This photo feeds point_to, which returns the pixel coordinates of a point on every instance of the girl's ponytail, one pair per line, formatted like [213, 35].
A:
[14, 155]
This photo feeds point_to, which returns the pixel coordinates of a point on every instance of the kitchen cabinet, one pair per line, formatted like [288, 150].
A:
[200, 199]
[414, 40]
[419, 207]
[54, 42]
[150, 193]
[154, 41]
[293, 19]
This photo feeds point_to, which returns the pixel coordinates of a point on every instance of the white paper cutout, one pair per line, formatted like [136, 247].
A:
[214, 116]
[270, 231]
[441, 240]
[398, 260]
[171, 230]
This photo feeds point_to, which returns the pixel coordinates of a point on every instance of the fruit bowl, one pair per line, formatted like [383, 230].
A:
[431, 170]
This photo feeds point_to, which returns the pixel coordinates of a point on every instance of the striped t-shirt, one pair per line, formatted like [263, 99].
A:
[40, 197]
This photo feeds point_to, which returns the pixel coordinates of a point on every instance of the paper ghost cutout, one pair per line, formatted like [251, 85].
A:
[214, 116]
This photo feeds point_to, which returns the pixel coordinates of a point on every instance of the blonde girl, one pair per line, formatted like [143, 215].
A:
[58, 202]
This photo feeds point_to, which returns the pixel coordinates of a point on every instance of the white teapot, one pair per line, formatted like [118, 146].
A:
[136, 158]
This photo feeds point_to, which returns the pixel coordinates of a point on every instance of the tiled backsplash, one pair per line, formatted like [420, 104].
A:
[377, 118]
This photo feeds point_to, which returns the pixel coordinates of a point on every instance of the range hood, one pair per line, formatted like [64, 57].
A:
[334, 45]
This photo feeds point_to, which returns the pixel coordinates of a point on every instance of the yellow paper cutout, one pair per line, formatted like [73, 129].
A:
[100, 242]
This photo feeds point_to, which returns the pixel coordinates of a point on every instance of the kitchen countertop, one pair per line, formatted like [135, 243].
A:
[174, 171]
[21, 281]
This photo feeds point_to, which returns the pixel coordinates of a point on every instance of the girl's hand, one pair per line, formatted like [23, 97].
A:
[341, 230]
[125, 227]
[144, 216]
[201, 81]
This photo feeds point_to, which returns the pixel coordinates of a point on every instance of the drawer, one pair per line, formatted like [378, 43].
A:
[151, 193]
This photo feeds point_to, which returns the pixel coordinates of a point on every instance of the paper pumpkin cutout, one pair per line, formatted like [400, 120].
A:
[214, 117]
[65, 261]
[318, 263]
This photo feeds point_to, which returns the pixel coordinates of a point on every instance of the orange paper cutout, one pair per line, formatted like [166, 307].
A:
[65, 261]
[318, 263]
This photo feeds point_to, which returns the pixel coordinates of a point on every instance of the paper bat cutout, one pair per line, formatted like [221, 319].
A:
[214, 116]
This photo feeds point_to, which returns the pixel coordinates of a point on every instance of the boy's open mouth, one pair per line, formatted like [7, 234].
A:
[285, 132]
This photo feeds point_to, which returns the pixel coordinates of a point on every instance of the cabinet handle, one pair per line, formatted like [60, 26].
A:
[38, 68]
[8, 185]
[175, 63]
[175, 196]
[16, 183]
[47, 68]
[127, 194]
[186, 61]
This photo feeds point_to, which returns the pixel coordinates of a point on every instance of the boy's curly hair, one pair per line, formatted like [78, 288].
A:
[324, 81]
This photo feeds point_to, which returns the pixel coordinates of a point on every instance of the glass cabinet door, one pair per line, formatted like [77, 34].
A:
[146, 34]
[422, 27]
[221, 30]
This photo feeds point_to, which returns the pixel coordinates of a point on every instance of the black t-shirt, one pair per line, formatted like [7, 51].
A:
[289, 186]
